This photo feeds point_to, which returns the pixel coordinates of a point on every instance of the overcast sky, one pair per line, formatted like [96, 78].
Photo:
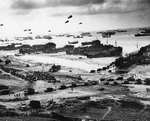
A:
[41, 15]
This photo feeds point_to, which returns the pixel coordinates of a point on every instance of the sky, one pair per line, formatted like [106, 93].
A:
[96, 15]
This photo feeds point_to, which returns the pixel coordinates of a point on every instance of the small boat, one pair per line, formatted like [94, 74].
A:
[73, 42]
[142, 34]
[18, 54]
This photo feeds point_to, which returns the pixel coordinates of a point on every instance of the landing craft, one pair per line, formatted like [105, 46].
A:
[1, 24]
[80, 23]
[29, 29]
